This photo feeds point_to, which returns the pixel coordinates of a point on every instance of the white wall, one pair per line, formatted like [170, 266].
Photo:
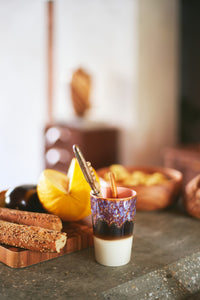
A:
[103, 36]
[22, 94]
[157, 80]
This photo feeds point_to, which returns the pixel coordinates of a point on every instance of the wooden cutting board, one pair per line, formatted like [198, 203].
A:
[79, 236]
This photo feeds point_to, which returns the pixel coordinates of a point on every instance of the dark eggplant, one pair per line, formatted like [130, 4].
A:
[23, 197]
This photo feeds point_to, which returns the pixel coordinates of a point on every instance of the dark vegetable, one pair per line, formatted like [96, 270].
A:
[23, 197]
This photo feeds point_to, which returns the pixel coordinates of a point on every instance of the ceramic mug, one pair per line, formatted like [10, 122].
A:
[113, 225]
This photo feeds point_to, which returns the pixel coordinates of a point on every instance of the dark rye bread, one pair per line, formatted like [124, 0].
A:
[43, 220]
[31, 237]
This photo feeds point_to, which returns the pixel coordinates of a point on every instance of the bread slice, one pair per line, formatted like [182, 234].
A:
[47, 221]
[31, 237]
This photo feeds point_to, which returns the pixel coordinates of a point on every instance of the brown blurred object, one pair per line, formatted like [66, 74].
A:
[186, 159]
[80, 87]
[192, 197]
[99, 144]
[2, 198]
[50, 56]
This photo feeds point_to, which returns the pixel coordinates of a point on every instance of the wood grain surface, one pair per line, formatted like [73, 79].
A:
[79, 236]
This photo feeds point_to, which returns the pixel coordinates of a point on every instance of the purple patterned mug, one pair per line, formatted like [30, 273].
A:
[113, 224]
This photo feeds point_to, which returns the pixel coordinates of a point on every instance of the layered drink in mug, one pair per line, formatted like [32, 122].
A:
[113, 225]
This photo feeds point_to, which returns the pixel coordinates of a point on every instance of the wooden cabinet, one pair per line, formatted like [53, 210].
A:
[186, 159]
[99, 145]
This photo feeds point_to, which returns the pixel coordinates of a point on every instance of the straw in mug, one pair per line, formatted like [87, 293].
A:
[113, 185]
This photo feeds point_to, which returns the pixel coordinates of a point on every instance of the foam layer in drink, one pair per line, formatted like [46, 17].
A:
[113, 252]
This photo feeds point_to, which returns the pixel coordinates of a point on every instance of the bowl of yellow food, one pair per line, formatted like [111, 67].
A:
[156, 187]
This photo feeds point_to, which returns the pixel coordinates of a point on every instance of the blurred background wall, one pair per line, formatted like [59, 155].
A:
[190, 72]
[130, 47]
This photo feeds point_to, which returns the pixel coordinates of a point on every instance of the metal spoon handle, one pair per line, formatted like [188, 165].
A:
[87, 170]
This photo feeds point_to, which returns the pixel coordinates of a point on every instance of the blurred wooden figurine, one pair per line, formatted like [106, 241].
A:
[80, 87]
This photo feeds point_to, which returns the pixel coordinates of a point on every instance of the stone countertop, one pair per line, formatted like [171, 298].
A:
[165, 264]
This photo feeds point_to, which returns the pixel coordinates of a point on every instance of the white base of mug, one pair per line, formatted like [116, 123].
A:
[113, 253]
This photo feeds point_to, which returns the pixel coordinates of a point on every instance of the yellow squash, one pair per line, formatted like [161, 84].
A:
[67, 196]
